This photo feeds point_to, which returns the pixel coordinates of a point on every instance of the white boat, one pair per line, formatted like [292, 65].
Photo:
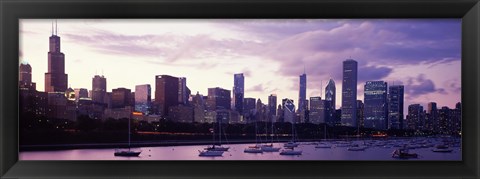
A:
[291, 144]
[270, 148]
[210, 153]
[442, 148]
[323, 145]
[127, 152]
[254, 149]
[218, 147]
[291, 152]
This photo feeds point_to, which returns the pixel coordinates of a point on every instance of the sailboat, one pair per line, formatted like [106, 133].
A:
[256, 148]
[218, 147]
[324, 144]
[270, 147]
[129, 152]
[210, 153]
[290, 146]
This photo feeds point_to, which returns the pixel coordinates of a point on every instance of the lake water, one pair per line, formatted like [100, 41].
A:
[235, 152]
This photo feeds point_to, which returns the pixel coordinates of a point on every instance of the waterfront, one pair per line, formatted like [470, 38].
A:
[377, 150]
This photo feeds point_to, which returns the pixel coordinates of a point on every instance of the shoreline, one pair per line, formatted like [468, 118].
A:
[52, 147]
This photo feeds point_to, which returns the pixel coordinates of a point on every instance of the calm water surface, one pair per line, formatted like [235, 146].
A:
[236, 153]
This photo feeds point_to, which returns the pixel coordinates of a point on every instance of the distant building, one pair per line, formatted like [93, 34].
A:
[55, 79]
[121, 97]
[99, 89]
[25, 75]
[456, 126]
[317, 110]
[444, 120]
[415, 117]
[272, 105]
[198, 105]
[143, 98]
[238, 92]
[280, 113]
[375, 105]
[183, 91]
[218, 98]
[249, 105]
[80, 93]
[432, 112]
[302, 97]
[330, 102]
[349, 93]
[289, 111]
[166, 93]
[360, 113]
[395, 107]
[181, 113]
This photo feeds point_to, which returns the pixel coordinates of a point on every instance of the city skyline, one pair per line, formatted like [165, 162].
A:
[419, 86]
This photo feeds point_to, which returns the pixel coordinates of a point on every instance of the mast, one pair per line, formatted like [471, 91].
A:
[129, 133]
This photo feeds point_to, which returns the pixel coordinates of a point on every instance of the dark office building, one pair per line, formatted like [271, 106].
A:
[415, 117]
[395, 107]
[166, 93]
[456, 127]
[238, 92]
[302, 97]
[360, 115]
[289, 115]
[444, 120]
[80, 93]
[183, 91]
[25, 80]
[432, 120]
[349, 93]
[218, 98]
[121, 97]
[55, 79]
[143, 98]
[272, 107]
[375, 105]
[317, 110]
[99, 89]
[330, 93]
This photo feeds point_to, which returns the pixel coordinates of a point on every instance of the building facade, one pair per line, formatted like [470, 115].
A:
[395, 106]
[349, 93]
[375, 105]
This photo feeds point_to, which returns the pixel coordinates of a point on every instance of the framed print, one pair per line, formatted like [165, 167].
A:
[279, 89]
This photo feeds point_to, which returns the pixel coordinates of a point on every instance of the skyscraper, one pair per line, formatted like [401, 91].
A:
[375, 105]
[238, 92]
[330, 92]
[317, 110]
[25, 75]
[302, 97]
[121, 97]
[360, 114]
[415, 117]
[55, 79]
[143, 98]
[288, 110]
[166, 93]
[330, 102]
[99, 89]
[80, 93]
[182, 90]
[272, 107]
[349, 93]
[249, 108]
[395, 107]
[218, 98]
[432, 113]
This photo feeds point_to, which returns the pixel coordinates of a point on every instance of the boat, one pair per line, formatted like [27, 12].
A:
[210, 153]
[324, 144]
[218, 147]
[291, 152]
[291, 144]
[403, 153]
[256, 148]
[442, 148]
[127, 152]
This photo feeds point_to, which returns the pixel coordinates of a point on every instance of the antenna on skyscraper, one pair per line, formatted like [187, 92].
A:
[56, 28]
[52, 27]
[321, 88]
[303, 68]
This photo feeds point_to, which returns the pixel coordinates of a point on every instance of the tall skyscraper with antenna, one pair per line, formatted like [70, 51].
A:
[55, 79]
[302, 96]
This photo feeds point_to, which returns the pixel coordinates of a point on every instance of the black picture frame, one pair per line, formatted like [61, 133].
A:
[13, 10]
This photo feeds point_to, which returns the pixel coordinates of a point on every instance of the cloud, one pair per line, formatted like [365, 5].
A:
[420, 86]
[256, 88]
[371, 73]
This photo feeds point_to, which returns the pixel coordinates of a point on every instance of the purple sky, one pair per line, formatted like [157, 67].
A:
[422, 54]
